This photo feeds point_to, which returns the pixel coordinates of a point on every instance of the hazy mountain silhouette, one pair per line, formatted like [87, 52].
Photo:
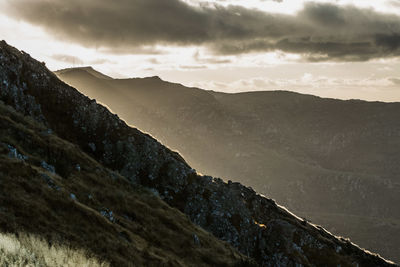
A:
[335, 162]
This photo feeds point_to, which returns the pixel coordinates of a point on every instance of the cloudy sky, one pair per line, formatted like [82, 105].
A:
[343, 49]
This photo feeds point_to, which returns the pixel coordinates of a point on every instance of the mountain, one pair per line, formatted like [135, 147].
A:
[71, 170]
[334, 162]
[52, 189]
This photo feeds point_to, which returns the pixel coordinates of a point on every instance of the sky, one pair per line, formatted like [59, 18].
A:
[347, 49]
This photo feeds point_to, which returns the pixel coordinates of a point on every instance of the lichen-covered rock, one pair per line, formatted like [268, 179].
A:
[255, 225]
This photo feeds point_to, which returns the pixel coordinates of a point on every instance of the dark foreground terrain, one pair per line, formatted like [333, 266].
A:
[331, 161]
[79, 202]
[73, 172]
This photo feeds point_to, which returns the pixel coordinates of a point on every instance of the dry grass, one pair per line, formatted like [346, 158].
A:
[28, 250]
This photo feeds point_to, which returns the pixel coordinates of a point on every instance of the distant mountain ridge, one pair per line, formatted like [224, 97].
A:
[335, 162]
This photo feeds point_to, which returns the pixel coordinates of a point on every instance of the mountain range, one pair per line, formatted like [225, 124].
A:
[331, 161]
[71, 172]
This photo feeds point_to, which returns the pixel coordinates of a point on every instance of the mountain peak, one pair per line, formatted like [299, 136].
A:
[155, 78]
[88, 69]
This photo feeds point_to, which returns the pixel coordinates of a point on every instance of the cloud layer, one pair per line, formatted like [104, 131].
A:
[320, 32]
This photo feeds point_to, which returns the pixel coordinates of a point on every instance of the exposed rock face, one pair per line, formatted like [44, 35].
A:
[250, 222]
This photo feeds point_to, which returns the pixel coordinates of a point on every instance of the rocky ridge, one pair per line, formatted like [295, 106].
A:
[255, 225]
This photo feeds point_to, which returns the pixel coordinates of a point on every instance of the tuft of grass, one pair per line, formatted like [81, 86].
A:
[29, 250]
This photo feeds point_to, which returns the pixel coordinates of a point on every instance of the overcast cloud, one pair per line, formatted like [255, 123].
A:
[320, 32]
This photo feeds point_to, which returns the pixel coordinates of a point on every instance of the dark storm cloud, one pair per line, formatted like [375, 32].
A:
[322, 32]
[319, 32]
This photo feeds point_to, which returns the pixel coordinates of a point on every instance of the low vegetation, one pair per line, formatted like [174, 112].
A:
[28, 250]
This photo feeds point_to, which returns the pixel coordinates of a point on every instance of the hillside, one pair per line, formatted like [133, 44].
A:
[52, 189]
[101, 198]
[334, 162]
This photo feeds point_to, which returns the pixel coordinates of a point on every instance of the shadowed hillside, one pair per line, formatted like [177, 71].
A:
[51, 188]
[334, 162]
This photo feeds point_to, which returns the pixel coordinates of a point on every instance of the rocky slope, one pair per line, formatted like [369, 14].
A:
[334, 162]
[255, 225]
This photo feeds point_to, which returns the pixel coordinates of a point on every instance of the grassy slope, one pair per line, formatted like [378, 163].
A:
[142, 230]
